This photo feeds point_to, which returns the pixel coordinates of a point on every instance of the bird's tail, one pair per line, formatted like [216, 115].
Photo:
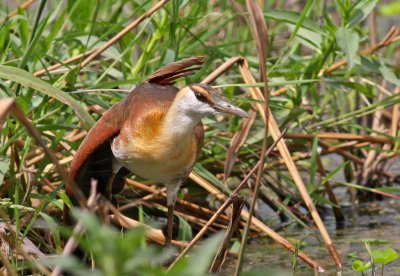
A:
[169, 73]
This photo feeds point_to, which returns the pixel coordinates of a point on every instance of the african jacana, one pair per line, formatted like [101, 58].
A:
[155, 133]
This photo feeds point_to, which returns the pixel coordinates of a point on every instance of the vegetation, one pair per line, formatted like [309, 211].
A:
[333, 78]
[382, 257]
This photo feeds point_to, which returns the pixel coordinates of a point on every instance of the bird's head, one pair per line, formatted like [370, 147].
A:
[205, 100]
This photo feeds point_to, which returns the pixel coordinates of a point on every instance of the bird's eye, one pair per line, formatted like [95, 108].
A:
[200, 97]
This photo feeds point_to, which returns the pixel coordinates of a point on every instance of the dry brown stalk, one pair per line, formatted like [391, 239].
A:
[237, 141]
[180, 202]
[275, 133]
[152, 234]
[221, 69]
[369, 164]
[258, 28]
[328, 150]
[219, 259]
[337, 211]
[341, 136]
[127, 29]
[58, 65]
[342, 150]
[373, 36]
[349, 155]
[394, 127]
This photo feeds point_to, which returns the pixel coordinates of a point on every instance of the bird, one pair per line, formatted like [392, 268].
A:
[155, 132]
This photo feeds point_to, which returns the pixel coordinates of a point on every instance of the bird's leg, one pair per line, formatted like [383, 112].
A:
[115, 167]
[109, 185]
[170, 223]
[172, 190]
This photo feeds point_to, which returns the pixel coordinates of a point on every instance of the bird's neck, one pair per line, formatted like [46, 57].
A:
[179, 123]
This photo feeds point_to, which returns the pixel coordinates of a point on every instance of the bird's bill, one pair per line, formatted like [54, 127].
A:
[223, 106]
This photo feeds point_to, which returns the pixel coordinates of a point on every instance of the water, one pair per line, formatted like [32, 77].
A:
[377, 222]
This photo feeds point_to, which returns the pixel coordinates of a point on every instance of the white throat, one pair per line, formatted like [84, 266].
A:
[185, 113]
[180, 123]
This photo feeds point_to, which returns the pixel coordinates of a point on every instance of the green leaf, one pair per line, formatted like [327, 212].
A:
[299, 22]
[348, 41]
[378, 256]
[393, 189]
[26, 79]
[333, 172]
[388, 74]
[3, 167]
[199, 261]
[307, 37]
[203, 172]
[293, 18]
[361, 11]
[357, 265]
[390, 255]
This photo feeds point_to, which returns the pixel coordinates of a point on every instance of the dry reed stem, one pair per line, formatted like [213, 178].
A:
[152, 234]
[341, 136]
[373, 36]
[337, 211]
[394, 127]
[348, 155]
[179, 201]
[237, 141]
[328, 150]
[127, 29]
[275, 133]
[221, 69]
[378, 126]
[258, 28]
[373, 166]
[219, 259]
[58, 65]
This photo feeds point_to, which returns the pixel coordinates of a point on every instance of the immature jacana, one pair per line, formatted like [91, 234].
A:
[155, 133]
